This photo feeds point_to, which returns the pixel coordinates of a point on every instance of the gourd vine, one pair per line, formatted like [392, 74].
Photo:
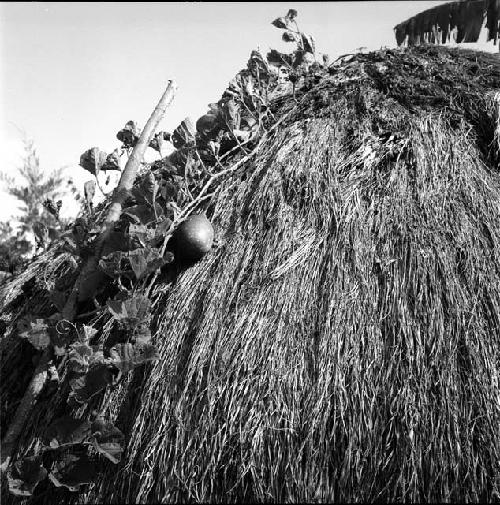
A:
[120, 247]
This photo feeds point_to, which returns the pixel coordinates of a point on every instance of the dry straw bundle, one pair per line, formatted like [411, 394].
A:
[343, 342]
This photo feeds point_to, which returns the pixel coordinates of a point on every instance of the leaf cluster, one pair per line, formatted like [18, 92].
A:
[131, 256]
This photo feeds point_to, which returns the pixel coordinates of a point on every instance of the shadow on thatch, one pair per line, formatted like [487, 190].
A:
[343, 342]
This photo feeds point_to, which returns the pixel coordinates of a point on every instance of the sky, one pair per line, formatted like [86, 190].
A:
[73, 73]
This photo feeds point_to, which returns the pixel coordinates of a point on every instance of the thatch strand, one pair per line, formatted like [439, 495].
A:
[464, 19]
[343, 341]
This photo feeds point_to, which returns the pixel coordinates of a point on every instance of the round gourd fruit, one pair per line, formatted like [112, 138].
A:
[193, 238]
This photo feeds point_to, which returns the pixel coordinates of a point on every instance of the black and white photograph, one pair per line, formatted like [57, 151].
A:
[250, 252]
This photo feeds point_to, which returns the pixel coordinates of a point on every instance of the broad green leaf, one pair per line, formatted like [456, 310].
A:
[291, 14]
[130, 311]
[24, 475]
[37, 334]
[159, 139]
[145, 190]
[72, 471]
[184, 134]
[143, 213]
[144, 261]
[91, 383]
[82, 356]
[128, 356]
[138, 262]
[163, 227]
[117, 241]
[79, 357]
[66, 430]
[141, 233]
[142, 334]
[207, 125]
[88, 332]
[113, 161]
[231, 114]
[309, 44]
[58, 299]
[90, 285]
[108, 440]
[277, 58]
[116, 264]
[258, 67]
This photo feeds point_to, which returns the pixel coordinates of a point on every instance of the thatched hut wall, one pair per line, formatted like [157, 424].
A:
[343, 341]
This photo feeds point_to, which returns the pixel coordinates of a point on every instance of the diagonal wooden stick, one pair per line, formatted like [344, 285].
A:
[9, 441]
[119, 196]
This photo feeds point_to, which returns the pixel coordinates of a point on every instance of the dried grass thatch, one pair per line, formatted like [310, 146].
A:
[343, 342]
[463, 18]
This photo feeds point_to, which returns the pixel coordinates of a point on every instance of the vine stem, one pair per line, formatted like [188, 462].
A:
[113, 214]
[203, 193]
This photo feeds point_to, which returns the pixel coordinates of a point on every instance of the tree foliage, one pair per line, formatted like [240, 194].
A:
[36, 193]
[36, 187]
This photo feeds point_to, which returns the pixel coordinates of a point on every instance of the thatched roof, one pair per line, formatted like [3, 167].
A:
[343, 341]
[463, 18]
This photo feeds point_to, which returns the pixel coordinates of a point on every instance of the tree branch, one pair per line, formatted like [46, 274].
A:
[114, 211]
[120, 195]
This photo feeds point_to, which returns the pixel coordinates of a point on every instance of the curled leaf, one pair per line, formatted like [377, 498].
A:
[129, 134]
[283, 23]
[92, 160]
